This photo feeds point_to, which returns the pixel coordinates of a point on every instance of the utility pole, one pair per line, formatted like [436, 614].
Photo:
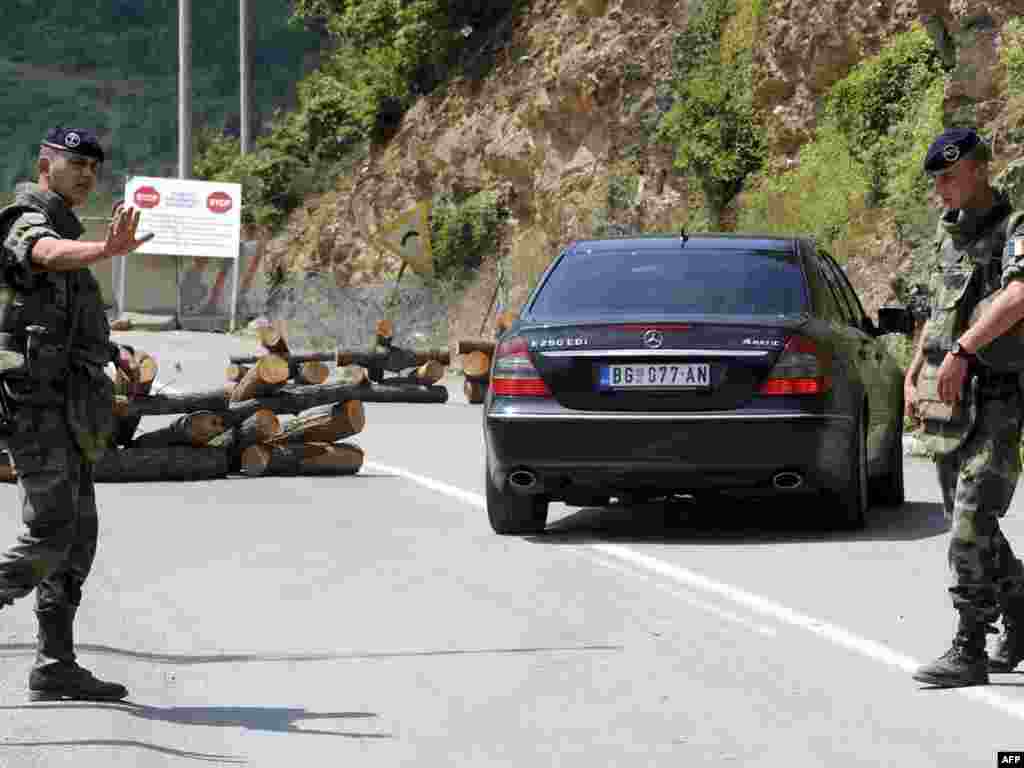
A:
[184, 119]
[245, 73]
[184, 89]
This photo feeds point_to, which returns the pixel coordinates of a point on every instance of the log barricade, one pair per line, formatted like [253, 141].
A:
[476, 367]
[278, 414]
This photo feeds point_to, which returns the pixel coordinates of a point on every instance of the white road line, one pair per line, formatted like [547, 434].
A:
[833, 633]
[686, 597]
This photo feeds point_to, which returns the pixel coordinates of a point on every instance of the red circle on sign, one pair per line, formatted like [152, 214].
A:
[219, 202]
[147, 197]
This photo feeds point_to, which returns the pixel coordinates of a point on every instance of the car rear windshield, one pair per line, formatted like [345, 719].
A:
[678, 280]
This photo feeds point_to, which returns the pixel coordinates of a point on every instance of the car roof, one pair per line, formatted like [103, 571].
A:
[660, 241]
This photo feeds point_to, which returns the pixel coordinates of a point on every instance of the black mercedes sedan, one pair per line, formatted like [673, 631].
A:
[657, 366]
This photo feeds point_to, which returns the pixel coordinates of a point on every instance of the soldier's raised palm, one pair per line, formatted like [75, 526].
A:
[122, 234]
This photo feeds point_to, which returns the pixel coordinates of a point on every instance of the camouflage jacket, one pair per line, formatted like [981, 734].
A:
[76, 346]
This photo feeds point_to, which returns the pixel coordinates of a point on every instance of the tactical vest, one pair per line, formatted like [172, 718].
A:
[968, 271]
[65, 360]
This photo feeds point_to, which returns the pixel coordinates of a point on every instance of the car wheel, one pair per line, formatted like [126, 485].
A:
[514, 515]
[890, 491]
[852, 500]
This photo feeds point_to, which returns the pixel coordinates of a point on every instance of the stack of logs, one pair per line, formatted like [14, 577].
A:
[477, 355]
[239, 429]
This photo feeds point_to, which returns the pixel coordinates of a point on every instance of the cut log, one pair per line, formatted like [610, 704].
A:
[476, 365]
[310, 372]
[291, 399]
[236, 372]
[195, 429]
[429, 373]
[302, 459]
[266, 377]
[121, 324]
[385, 332]
[274, 342]
[324, 424]
[258, 428]
[145, 371]
[468, 346]
[395, 359]
[475, 390]
[173, 462]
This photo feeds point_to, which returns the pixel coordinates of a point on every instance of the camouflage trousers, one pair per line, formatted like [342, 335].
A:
[58, 506]
[978, 481]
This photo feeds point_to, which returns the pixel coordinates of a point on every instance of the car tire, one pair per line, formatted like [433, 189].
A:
[851, 501]
[890, 490]
[514, 515]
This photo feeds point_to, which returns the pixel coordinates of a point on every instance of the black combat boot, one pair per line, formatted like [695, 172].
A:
[56, 674]
[965, 663]
[1010, 650]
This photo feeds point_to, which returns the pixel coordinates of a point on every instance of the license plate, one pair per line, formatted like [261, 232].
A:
[656, 376]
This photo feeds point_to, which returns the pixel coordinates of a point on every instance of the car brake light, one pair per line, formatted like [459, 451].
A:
[514, 374]
[803, 368]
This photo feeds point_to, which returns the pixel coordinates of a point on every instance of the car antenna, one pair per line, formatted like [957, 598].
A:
[683, 237]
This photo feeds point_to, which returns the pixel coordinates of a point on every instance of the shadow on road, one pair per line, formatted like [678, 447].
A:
[169, 751]
[724, 520]
[267, 719]
[184, 660]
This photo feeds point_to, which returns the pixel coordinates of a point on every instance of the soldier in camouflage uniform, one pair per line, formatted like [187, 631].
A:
[60, 401]
[971, 413]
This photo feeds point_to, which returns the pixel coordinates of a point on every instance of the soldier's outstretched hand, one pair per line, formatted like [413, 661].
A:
[122, 234]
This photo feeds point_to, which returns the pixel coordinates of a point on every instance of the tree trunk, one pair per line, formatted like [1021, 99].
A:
[173, 462]
[291, 399]
[260, 427]
[324, 424]
[195, 429]
[268, 375]
[302, 459]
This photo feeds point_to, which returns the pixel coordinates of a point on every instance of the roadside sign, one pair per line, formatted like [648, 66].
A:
[188, 217]
[408, 237]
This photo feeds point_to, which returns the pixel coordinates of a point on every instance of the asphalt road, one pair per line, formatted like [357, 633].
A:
[375, 620]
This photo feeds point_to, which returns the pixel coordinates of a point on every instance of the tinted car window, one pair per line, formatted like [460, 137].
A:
[824, 300]
[726, 282]
[848, 292]
[835, 283]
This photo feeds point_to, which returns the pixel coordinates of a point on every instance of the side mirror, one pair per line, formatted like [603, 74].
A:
[894, 319]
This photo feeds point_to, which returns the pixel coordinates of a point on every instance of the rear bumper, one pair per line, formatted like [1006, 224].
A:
[580, 452]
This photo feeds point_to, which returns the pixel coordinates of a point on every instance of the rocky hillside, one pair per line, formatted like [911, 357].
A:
[568, 108]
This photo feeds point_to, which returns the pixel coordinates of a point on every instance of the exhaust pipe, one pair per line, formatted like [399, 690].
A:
[522, 480]
[787, 481]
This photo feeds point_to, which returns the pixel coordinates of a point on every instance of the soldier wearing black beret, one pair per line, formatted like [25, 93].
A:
[57, 401]
[970, 403]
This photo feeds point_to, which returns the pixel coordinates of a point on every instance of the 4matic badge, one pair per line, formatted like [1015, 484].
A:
[762, 342]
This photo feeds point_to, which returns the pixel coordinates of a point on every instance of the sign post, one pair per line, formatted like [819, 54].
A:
[189, 218]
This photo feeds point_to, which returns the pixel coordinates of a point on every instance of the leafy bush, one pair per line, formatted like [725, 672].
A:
[816, 197]
[874, 98]
[1012, 54]
[462, 233]
[712, 123]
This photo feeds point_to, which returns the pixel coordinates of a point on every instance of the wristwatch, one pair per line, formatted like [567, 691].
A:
[959, 351]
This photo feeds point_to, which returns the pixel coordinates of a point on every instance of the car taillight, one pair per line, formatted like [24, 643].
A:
[803, 368]
[514, 374]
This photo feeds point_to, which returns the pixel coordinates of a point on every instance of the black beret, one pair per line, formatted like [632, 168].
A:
[77, 141]
[949, 147]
